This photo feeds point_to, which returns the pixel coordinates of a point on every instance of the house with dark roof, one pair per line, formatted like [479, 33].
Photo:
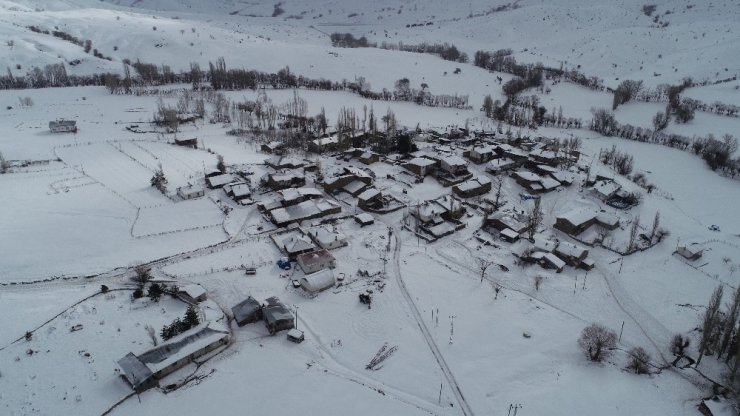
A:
[247, 311]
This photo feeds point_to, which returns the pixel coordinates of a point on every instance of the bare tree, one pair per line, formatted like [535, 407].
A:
[633, 233]
[142, 274]
[483, 265]
[639, 361]
[729, 331]
[710, 323]
[498, 183]
[597, 341]
[535, 219]
[159, 181]
[152, 334]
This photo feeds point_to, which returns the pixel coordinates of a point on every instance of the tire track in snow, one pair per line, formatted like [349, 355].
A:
[464, 406]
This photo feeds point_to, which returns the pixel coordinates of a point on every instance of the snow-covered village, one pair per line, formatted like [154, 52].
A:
[422, 207]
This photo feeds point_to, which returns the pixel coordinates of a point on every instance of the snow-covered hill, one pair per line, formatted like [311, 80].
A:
[610, 39]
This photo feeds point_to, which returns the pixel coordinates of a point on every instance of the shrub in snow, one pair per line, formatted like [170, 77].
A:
[639, 361]
[597, 341]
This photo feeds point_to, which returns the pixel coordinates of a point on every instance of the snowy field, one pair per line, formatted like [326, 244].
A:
[78, 211]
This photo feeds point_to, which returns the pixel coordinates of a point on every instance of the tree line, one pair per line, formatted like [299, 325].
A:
[717, 153]
[446, 51]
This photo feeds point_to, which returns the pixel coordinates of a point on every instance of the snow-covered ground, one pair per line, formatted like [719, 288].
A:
[82, 213]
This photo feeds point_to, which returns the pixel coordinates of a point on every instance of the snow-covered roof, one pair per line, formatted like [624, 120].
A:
[545, 245]
[554, 260]
[286, 176]
[245, 309]
[135, 371]
[498, 164]
[606, 188]
[454, 160]
[509, 233]
[548, 169]
[578, 216]
[326, 236]
[607, 219]
[527, 175]
[316, 282]
[473, 184]
[368, 194]
[292, 194]
[323, 141]
[299, 243]
[241, 189]
[562, 176]
[421, 161]
[274, 144]
[315, 257]
[570, 249]
[193, 290]
[482, 150]
[549, 183]
[180, 347]
[220, 180]
[355, 186]
[365, 218]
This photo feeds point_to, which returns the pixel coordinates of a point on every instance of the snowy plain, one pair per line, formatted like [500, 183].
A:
[84, 213]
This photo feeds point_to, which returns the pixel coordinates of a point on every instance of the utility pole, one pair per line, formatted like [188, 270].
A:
[620, 332]
[296, 316]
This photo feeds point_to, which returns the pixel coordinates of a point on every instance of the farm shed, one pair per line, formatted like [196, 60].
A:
[572, 254]
[317, 282]
[193, 293]
[247, 311]
[170, 356]
[690, 251]
[63, 126]
[364, 219]
[190, 192]
[277, 316]
[192, 143]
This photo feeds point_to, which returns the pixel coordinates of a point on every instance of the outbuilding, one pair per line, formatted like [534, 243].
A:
[319, 281]
[364, 219]
[247, 311]
[277, 316]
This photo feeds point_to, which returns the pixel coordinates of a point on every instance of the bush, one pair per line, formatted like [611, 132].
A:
[639, 361]
[155, 292]
[597, 341]
[104, 289]
[138, 293]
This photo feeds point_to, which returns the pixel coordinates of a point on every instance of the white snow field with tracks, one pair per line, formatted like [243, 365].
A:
[77, 211]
